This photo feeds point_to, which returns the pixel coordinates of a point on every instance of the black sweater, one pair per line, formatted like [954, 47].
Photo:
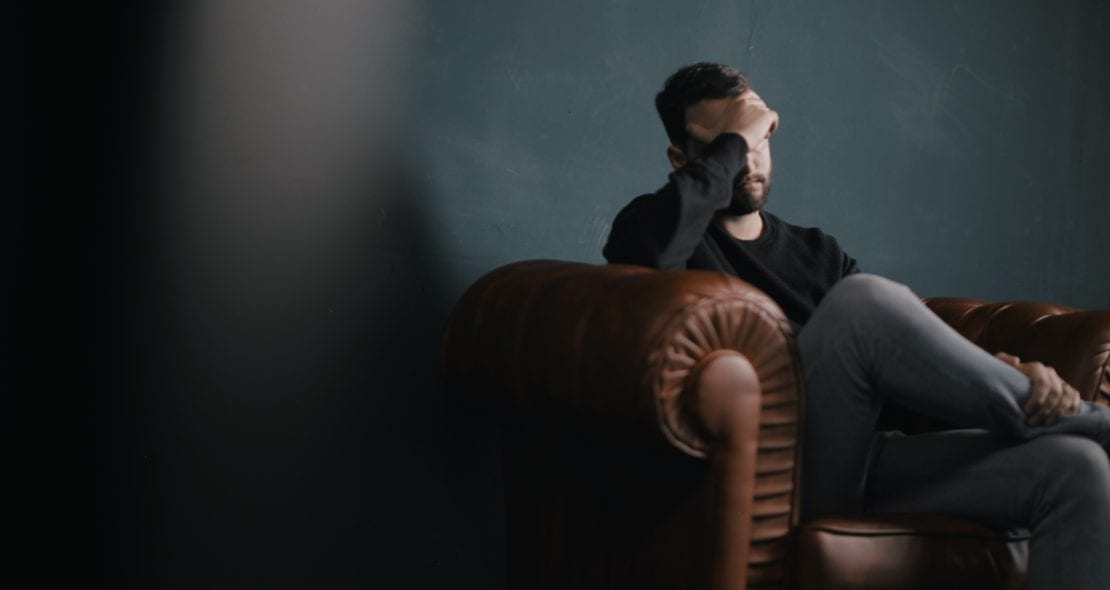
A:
[677, 227]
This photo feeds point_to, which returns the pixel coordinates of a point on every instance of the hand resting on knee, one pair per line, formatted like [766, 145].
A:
[1050, 397]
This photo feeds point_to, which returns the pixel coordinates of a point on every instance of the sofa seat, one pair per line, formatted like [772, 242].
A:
[908, 551]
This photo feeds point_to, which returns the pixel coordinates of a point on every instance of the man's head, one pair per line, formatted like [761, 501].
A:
[700, 94]
[690, 85]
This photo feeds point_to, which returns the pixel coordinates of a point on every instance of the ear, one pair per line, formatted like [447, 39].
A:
[676, 156]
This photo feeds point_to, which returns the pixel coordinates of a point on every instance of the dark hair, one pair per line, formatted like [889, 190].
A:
[690, 85]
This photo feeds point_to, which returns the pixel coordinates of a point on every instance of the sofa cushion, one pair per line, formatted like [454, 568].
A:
[908, 551]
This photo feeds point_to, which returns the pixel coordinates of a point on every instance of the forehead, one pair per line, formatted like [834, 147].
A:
[708, 111]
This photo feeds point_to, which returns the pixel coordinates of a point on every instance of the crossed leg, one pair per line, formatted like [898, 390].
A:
[1057, 486]
[871, 340]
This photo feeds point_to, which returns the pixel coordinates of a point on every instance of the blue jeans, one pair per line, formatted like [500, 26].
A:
[871, 340]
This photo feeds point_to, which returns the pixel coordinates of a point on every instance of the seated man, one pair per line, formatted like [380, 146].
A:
[1034, 455]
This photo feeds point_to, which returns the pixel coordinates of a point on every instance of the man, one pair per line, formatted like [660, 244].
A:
[1034, 455]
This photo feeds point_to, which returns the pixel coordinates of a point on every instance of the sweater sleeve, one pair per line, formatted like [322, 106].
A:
[841, 264]
[663, 228]
[851, 267]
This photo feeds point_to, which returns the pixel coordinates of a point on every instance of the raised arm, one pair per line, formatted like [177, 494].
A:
[662, 229]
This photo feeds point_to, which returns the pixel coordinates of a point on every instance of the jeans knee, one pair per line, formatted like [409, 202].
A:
[867, 292]
[1078, 468]
[867, 286]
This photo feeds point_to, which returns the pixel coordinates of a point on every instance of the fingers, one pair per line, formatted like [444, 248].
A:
[755, 124]
[772, 120]
[1050, 397]
[700, 133]
[774, 124]
[755, 109]
[1049, 412]
[751, 98]
[1039, 391]
[1069, 403]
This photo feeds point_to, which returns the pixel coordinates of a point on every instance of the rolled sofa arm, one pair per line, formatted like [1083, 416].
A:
[1076, 343]
[614, 343]
[699, 360]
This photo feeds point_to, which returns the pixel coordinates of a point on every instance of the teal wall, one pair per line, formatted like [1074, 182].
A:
[956, 147]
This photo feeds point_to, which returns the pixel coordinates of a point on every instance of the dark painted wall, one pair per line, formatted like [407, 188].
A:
[956, 148]
[284, 199]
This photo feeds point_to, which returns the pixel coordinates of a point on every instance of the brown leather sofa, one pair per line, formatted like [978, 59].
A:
[651, 424]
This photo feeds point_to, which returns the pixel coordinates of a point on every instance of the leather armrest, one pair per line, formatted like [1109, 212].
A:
[615, 345]
[1076, 343]
[699, 360]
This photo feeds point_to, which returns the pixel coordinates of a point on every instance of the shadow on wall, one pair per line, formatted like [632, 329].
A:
[438, 513]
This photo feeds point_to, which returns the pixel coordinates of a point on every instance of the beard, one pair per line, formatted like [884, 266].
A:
[749, 193]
